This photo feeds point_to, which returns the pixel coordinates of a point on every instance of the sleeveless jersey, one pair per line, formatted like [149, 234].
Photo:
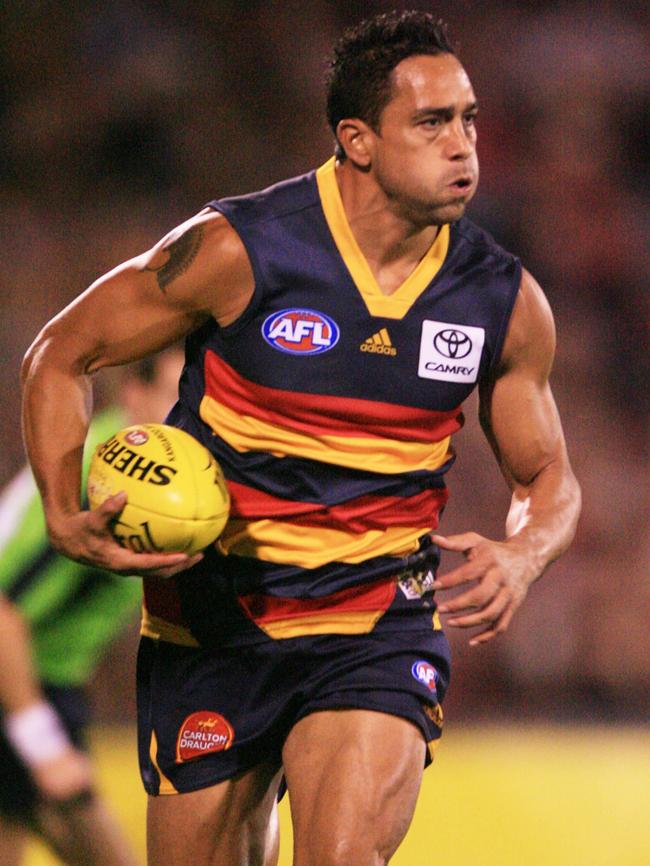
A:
[330, 407]
[73, 610]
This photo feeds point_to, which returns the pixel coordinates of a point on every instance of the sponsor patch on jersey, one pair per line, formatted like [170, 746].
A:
[201, 734]
[451, 353]
[426, 674]
[379, 344]
[136, 437]
[301, 332]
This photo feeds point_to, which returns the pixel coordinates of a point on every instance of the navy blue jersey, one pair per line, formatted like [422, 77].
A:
[330, 406]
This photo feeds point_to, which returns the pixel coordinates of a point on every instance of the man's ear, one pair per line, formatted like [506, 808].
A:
[356, 138]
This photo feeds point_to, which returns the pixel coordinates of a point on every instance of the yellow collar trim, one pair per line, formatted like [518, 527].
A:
[394, 306]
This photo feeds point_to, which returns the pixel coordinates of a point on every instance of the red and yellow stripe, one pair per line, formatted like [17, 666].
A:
[345, 432]
[350, 611]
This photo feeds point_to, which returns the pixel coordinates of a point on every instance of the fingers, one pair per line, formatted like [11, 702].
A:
[162, 565]
[463, 574]
[462, 542]
[64, 777]
[100, 547]
[498, 585]
[496, 629]
[469, 615]
[171, 569]
[496, 615]
[111, 507]
[477, 597]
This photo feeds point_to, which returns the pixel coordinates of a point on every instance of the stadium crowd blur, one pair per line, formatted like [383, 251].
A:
[119, 120]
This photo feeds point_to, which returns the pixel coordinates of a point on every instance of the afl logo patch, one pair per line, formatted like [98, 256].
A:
[136, 437]
[300, 332]
[426, 674]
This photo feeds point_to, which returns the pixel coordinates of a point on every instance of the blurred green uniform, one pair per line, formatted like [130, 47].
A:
[73, 610]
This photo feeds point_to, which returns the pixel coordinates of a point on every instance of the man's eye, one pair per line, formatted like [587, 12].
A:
[470, 118]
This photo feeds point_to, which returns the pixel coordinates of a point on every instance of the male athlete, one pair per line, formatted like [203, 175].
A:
[57, 617]
[335, 323]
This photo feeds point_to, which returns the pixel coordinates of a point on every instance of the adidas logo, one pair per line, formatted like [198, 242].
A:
[379, 344]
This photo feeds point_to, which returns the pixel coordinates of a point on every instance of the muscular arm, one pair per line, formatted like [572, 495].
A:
[32, 726]
[199, 270]
[18, 684]
[520, 420]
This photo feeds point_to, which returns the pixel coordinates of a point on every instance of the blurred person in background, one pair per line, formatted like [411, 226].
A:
[308, 643]
[57, 617]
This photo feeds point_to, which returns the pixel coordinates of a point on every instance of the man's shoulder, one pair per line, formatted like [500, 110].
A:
[467, 232]
[281, 199]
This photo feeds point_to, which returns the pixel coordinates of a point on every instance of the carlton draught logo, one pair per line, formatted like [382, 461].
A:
[300, 332]
[201, 734]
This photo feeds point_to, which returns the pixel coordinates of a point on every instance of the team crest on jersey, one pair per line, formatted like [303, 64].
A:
[201, 734]
[301, 332]
[426, 674]
[415, 584]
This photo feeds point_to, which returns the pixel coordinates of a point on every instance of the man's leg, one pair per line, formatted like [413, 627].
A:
[353, 778]
[233, 823]
[82, 832]
[12, 842]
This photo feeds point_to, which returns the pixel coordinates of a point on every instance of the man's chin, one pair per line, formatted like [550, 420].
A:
[450, 212]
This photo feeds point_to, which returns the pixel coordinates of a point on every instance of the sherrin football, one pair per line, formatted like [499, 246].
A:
[177, 499]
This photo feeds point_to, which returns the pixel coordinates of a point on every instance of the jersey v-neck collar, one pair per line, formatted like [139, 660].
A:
[396, 305]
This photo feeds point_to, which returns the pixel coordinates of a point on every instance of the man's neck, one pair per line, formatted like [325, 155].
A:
[391, 244]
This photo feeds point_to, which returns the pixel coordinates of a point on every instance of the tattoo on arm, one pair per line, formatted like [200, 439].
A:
[179, 255]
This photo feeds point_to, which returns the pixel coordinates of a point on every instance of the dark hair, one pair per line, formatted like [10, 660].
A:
[359, 80]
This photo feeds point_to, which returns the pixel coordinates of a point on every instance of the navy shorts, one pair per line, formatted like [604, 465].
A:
[206, 715]
[18, 794]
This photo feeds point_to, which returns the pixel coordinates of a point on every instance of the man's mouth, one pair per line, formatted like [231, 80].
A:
[461, 183]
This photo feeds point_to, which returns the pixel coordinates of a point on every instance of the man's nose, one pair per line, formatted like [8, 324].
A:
[460, 144]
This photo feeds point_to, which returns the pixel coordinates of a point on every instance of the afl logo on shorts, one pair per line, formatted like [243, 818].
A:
[426, 674]
[300, 332]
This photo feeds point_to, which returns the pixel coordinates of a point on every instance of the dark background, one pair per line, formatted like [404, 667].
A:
[119, 120]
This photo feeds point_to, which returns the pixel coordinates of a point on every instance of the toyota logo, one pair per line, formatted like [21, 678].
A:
[452, 343]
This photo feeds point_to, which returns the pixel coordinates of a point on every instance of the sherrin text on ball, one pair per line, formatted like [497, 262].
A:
[177, 499]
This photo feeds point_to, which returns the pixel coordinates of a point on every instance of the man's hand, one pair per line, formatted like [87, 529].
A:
[86, 537]
[59, 770]
[65, 777]
[500, 573]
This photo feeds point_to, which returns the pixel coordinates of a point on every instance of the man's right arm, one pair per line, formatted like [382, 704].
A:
[31, 724]
[199, 270]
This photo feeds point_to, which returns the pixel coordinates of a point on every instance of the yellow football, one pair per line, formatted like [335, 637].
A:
[177, 499]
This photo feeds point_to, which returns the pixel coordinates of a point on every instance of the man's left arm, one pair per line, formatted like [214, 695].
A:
[520, 420]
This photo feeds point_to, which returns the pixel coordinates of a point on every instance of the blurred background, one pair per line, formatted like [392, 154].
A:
[119, 120]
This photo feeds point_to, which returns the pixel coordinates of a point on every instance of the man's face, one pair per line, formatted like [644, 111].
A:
[424, 153]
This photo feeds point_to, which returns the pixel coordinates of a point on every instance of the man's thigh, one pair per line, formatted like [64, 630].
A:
[210, 721]
[353, 778]
[233, 823]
